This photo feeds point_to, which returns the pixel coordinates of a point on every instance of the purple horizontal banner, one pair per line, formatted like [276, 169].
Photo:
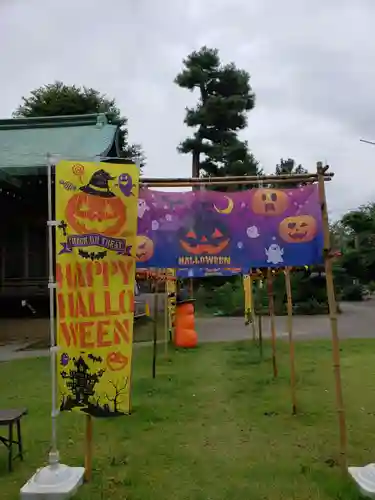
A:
[210, 229]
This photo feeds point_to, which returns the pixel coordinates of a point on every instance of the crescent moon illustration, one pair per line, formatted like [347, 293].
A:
[225, 210]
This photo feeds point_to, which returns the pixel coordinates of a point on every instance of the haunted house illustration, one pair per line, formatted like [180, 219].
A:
[81, 383]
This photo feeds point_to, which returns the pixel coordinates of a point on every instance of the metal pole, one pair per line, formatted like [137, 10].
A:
[53, 457]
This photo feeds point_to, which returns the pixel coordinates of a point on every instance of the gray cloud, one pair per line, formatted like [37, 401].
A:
[311, 65]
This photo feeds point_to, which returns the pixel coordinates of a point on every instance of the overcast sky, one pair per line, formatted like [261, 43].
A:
[311, 64]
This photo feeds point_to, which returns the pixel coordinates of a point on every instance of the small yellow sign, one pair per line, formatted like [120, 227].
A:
[172, 293]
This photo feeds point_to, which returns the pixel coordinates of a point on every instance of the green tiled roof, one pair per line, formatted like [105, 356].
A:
[25, 142]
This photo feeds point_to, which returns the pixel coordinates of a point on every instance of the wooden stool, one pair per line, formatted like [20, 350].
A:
[9, 418]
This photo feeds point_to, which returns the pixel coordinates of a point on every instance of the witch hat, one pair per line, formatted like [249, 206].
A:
[98, 185]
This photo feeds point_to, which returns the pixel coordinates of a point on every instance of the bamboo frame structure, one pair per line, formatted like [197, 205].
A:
[288, 289]
[320, 177]
[333, 318]
[271, 308]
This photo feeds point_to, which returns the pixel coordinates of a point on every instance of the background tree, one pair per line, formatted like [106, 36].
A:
[225, 98]
[58, 99]
[356, 233]
[289, 167]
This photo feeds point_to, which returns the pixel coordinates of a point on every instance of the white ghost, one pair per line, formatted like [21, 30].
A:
[155, 225]
[252, 232]
[240, 244]
[168, 217]
[274, 254]
[142, 208]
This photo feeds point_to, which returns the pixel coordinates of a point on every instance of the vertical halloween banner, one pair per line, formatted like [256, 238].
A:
[96, 206]
[172, 292]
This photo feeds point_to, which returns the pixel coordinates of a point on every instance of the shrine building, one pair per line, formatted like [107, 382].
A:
[25, 144]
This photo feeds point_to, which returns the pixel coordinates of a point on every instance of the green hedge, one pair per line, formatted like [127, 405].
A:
[308, 294]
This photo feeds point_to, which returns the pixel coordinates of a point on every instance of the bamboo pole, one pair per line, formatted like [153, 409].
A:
[333, 319]
[253, 326]
[166, 322]
[260, 324]
[271, 308]
[288, 289]
[155, 333]
[236, 179]
[191, 288]
[228, 183]
[88, 448]
[260, 335]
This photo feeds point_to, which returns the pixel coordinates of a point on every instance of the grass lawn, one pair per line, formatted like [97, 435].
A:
[212, 426]
[144, 329]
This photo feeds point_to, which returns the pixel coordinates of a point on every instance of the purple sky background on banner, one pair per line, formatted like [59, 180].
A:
[159, 214]
[312, 74]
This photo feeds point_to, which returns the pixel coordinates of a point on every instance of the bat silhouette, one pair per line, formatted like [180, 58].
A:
[92, 255]
[95, 359]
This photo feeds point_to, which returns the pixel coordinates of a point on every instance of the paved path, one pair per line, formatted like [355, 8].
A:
[356, 321]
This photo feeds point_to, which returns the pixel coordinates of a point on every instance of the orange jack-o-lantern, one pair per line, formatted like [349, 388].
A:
[206, 236]
[270, 202]
[116, 361]
[88, 213]
[145, 248]
[298, 229]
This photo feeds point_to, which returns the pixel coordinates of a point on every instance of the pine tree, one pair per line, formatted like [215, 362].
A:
[289, 167]
[225, 98]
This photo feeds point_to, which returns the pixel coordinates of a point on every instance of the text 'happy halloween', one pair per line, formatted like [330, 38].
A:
[93, 314]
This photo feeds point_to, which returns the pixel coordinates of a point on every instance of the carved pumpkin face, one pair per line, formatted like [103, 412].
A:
[116, 361]
[299, 229]
[270, 202]
[206, 236]
[145, 248]
[87, 213]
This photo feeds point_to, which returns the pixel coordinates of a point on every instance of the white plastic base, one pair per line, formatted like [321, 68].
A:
[365, 479]
[54, 482]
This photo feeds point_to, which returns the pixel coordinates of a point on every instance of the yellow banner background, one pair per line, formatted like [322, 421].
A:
[172, 296]
[96, 206]
[247, 285]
